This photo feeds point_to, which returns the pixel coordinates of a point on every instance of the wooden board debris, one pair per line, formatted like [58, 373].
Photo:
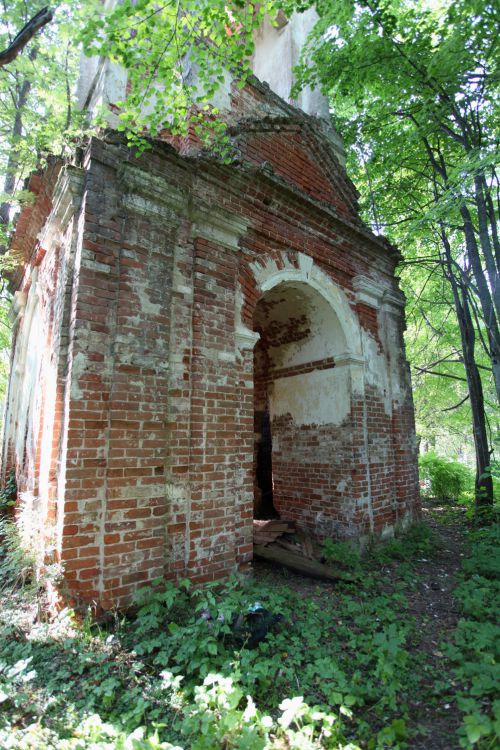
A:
[266, 532]
[302, 564]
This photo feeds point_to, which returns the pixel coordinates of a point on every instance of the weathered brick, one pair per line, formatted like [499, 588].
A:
[150, 455]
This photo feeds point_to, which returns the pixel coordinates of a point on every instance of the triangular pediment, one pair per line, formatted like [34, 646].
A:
[302, 150]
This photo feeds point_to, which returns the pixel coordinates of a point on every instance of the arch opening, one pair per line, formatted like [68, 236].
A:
[302, 404]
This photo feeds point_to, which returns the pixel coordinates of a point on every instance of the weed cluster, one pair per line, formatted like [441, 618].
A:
[475, 648]
[16, 565]
[410, 544]
[345, 554]
[444, 480]
[406, 545]
[336, 672]
[333, 673]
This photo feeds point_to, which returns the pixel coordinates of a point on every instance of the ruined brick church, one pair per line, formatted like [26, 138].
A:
[196, 344]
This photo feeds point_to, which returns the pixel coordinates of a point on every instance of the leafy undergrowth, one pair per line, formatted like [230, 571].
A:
[474, 649]
[342, 668]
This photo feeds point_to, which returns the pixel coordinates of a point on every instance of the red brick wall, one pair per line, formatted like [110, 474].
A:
[153, 437]
[44, 274]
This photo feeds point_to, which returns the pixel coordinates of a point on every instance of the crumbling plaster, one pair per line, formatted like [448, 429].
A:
[158, 275]
[278, 46]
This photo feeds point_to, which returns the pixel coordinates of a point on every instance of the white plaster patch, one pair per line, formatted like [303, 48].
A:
[183, 289]
[154, 490]
[219, 226]
[222, 97]
[376, 373]
[398, 380]
[226, 356]
[368, 291]
[26, 370]
[50, 389]
[319, 397]
[78, 367]
[150, 194]
[276, 53]
[96, 266]
[325, 336]
[141, 287]
[272, 59]
[175, 492]
[245, 338]
[305, 263]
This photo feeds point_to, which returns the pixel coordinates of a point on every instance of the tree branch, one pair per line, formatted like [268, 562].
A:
[456, 406]
[442, 374]
[27, 32]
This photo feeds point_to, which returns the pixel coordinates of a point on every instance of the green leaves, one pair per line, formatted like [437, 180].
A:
[474, 650]
[414, 91]
[448, 480]
[343, 673]
[37, 111]
[476, 726]
[178, 55]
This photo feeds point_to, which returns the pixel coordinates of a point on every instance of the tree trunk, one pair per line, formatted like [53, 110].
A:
[493, 222]
[492, 269]
[28, 31]
[483, 291]
[11, 172]
[484, 481]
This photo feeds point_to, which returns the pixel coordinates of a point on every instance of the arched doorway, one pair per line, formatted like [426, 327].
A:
[302, 406]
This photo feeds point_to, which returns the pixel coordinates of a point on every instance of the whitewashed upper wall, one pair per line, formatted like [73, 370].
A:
[277, 51]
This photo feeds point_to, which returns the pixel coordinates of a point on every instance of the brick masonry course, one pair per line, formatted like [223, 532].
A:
[144, 285]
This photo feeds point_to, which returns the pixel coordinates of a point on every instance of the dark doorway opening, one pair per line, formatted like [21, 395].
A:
[264, 466]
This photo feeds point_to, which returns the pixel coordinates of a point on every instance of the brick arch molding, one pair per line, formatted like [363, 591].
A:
[280, 270]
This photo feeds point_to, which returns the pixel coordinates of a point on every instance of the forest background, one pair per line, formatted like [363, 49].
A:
[413, 88]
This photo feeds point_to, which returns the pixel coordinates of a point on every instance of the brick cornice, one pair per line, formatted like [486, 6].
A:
[234, 181]
[218, 226]
[66, 200]
[368, 291]
[233, 178]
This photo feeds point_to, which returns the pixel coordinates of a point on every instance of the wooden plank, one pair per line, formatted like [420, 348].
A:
[308, 547]
[301, 564]
[273, 526]
[290, 546]
[264, 538]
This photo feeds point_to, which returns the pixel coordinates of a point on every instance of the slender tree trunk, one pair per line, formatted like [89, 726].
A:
[483, 290]
[12, 169]
[493, 222]
[492, 269]
[484, 482]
